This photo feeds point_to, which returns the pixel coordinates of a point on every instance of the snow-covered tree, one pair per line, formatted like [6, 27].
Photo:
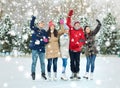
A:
[25, 39]
[108, 35]
[6, 35]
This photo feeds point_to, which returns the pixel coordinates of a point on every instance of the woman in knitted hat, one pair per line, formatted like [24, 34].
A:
[64, 48]
[52, 49]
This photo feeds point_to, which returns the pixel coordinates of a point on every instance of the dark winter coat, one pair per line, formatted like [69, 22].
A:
[38, 35]
[90, 41]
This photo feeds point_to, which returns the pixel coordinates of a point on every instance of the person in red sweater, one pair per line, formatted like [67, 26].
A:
[77, 40]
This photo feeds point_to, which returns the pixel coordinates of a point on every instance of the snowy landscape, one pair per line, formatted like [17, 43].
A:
[15, 73]
[15, 37]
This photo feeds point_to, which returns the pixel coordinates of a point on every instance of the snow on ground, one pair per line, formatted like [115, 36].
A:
[15, 73]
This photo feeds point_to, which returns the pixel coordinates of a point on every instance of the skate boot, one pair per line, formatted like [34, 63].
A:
[49, 76]
[43, 76]
[77, 76]
[64, 77]
[72, 76]
[55, 76]
[86, 75]
[91, 76]
[33, 75]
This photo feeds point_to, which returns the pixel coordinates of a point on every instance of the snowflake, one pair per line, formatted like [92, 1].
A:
[27, 75]
[34, 87]
[98, 82]
[20, 68]
[5, 85]
[107, 43]
[73, 85]
[72, 40]
[8, 59]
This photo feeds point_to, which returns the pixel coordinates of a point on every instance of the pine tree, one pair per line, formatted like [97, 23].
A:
[108, 36]
[6, 35]
[25, 39]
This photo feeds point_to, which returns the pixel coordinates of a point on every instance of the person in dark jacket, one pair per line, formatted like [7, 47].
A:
[90, 50]
[37, 45]
[76, 42]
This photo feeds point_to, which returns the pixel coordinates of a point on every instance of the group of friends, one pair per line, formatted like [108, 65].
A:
[64, 43]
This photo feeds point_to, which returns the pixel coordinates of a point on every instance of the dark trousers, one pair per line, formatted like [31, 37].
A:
[50, 61]
[74, 61]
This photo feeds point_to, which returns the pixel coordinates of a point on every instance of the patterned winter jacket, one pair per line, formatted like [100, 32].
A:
[38, 35]
[90, 47]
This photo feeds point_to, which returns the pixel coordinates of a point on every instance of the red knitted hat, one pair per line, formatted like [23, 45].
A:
[76, 22]
[51, 23]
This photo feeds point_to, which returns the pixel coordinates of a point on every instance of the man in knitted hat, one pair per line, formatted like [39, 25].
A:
[37, 45]
[77, 40]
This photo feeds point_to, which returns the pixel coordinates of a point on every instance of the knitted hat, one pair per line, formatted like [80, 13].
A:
[76, 22]
[51, 23]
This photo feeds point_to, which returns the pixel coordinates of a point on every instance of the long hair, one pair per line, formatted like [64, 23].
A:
[85, 34]
[55, 32]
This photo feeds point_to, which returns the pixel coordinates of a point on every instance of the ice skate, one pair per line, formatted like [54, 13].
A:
[33, 76]
[43, 76]
[86, 75]
[64, 77]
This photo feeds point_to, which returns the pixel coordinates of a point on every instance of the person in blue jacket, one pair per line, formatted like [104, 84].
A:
[37, 45]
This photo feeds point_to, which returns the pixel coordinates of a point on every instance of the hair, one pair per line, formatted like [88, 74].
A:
[85, 28]
[49, 32]
[85, 31]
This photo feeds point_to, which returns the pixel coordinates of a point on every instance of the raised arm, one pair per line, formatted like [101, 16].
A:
[62, 30]
[69, 18]
[32, 25]
[97, 28]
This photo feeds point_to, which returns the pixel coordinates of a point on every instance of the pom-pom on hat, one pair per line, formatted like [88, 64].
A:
[51, 23]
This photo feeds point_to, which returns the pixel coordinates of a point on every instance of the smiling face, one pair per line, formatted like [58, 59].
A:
[77, 26]
[87, 30]
[41, 24]
[52, 27]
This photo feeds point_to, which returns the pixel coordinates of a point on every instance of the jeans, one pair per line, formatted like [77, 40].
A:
[74, 61]
[64, 64]
[35, 54]
[90, 62]
[50, 60]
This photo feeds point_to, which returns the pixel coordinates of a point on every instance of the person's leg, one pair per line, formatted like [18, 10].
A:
[87, 67]
[77, 64]
[64, 60]
[34, 61]
[93, 57]
[72, 61]
[77, 61]
[42, 64]
[49, 68]
[88, 64]
[55, 67]
[49, 65]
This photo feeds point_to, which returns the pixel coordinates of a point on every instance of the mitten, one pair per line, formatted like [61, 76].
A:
[61, 21]
[33, 17]
[98, 21]
[70, 13]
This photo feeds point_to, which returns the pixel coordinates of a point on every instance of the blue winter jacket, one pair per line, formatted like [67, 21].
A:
[38, 34]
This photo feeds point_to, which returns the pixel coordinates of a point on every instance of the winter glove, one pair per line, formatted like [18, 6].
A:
[61, 21]
[70, 13]
[98, 21]
[33, 17]
[45, 40]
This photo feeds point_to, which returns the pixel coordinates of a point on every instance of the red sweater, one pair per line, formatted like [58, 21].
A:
[77, 39]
